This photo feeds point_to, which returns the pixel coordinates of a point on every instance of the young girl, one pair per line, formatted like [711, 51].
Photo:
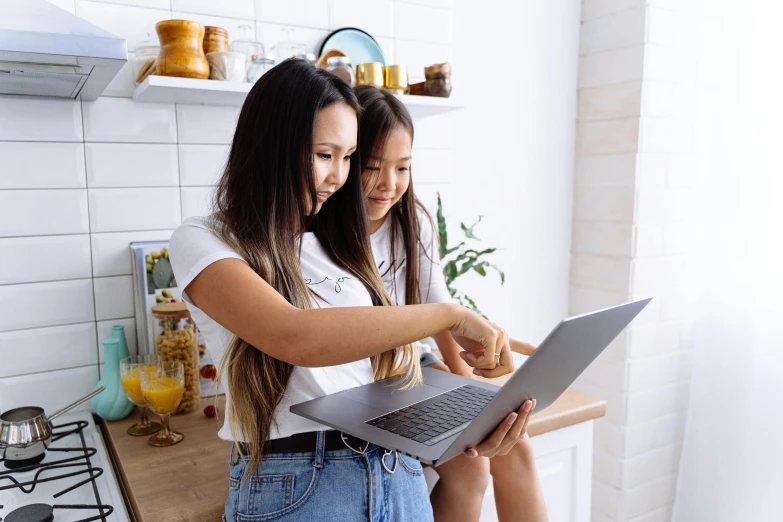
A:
[280, 280]
[405, 249]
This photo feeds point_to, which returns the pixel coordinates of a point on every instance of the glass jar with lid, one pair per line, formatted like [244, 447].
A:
[288, 48]
[247, 44]
[259, 66]
[176, 339]
[144, 57]
[341, 67]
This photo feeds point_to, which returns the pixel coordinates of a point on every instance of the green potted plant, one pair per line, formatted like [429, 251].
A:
[461, 259]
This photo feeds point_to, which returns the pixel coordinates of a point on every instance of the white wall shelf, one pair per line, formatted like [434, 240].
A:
[189, 91]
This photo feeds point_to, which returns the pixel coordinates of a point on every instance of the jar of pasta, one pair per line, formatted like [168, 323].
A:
[176, 339]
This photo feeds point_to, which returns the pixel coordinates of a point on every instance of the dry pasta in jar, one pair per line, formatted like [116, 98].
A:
[176, 339]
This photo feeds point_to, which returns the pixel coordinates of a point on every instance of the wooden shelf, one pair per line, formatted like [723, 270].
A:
[188, 91]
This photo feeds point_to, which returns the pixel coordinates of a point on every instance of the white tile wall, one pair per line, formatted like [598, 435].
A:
[154, 4]
[231, 9]
[602, 238]
[45, 349]
[634, 129]
[46, 304]
[611, 170]
[608, 137]
[123, 120]
[111, 253]
[305, 13]
[196, 201]
[68, 5]
[201, 165]
[44, 258]
[41, 165]
[34, 119]
[113, 297]
[614, 31]
[123, 84]
[131, 23]
[43, 212]
[131, 165]
[373, 17]
[119, 210]
[206, 124]
[619, 100]
[49, 390]
[422, 24]
[616, 66]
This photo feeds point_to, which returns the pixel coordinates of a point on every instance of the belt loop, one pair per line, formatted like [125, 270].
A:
[320, 444]
[233, 449]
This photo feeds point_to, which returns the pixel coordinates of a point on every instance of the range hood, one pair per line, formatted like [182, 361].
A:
[47, 51]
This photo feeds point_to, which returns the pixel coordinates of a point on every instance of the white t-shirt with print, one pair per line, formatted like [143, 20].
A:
[193, 247]
[432, 283]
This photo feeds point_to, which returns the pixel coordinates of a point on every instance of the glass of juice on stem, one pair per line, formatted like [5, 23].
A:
[131, 369]
[162, 391]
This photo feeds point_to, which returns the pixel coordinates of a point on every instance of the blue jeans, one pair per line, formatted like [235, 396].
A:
[340, 485]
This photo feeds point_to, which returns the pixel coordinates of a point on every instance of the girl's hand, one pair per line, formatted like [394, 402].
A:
[486, 343]
[508, 433]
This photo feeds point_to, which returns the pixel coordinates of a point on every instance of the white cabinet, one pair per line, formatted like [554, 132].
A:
[564, 462]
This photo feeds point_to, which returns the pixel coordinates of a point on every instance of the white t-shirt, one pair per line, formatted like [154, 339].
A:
[193, 247]
[432, 284]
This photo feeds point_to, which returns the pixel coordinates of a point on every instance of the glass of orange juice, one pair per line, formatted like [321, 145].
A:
[130, 377]
[162, 391]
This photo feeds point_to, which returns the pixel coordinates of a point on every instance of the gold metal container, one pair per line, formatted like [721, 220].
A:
[395, 78]
[369, 74]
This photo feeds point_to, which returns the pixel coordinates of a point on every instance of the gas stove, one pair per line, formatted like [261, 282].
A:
[73, 482]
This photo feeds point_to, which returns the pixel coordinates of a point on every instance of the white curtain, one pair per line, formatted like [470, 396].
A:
[732, 462]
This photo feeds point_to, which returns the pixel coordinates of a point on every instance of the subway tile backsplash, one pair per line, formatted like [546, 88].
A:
[79, 181]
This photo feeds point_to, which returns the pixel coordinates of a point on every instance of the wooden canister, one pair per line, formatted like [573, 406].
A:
[181, 49]
[215, 40]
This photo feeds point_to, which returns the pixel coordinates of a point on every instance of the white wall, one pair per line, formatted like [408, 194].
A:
[630, 241]
[80, 181]
[516, 69]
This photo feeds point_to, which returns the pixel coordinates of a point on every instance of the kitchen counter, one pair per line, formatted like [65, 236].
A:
[189, 481]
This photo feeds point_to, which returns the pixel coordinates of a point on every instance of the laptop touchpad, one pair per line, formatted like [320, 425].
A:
[389, 398]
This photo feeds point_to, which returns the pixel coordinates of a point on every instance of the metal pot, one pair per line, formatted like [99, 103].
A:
[26, 432]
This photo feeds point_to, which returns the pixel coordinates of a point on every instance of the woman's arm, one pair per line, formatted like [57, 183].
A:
[231, 293]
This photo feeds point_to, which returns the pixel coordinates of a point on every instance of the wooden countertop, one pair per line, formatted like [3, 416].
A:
[189, 481]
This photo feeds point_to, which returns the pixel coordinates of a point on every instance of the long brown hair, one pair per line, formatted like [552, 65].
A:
[382, 113]
[262, 208]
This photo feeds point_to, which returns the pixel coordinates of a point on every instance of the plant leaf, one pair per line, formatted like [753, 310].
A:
[465, 267]
[481, 253]
[444, 253]
[479, 269]
[500, 272]
[443, 235]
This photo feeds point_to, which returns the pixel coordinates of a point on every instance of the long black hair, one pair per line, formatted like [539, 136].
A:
[265, 201]
[382, 113]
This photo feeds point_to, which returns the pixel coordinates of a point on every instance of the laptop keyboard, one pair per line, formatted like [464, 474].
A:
[437, 418]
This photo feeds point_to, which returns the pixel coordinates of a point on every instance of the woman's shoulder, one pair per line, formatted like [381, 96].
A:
[197, 235]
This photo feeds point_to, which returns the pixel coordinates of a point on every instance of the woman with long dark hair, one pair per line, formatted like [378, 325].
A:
[281, 281]
[406, 250]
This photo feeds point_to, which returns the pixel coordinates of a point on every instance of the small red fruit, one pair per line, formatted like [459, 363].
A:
[209, 411]
[208, 372]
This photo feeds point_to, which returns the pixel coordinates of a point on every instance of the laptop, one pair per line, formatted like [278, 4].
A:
[448, 414]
